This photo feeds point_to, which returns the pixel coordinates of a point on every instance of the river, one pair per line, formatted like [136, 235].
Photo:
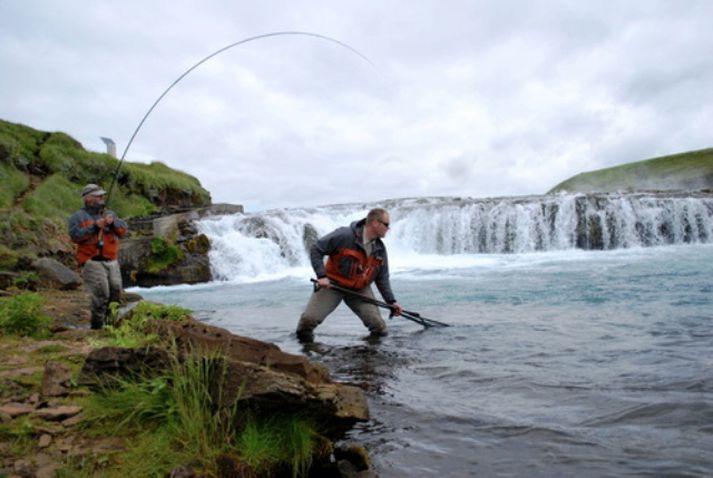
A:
[561, 360]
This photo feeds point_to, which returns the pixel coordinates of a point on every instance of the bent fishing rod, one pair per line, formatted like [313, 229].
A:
[215, 53]
[406, 314]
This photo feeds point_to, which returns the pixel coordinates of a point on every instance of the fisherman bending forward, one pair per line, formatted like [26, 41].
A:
[357, 257]
[96, 232]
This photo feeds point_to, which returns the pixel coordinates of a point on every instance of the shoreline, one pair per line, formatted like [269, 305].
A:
[34, 445]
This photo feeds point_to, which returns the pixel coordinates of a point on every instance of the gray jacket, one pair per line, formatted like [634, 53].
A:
[351, 238]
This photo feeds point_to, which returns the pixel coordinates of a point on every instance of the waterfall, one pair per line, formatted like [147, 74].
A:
[274, 243]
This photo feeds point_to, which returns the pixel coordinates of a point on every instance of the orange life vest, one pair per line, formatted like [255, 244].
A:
[89, 248]
[352, 268]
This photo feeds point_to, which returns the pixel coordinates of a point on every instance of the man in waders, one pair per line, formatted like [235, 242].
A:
[357, 257]
[96, 231]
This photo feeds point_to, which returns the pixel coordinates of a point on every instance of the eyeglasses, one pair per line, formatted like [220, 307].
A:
[384, 223]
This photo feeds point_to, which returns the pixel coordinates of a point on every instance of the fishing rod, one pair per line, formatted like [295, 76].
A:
[215, 53]
[406, 314]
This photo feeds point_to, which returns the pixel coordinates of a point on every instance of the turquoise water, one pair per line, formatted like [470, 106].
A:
[573, 363]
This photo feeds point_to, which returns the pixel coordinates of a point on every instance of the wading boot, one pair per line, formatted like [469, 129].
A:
[305, 336]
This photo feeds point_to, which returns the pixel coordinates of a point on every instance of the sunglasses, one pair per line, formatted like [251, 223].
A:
[384, 223]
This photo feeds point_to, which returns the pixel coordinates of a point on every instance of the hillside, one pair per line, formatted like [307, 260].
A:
[41, 176]
[690, 171]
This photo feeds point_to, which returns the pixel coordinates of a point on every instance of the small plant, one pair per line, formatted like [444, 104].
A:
[19, 434]
[147, 310]
[267, 443]
[131, 332]
[163, 255]
[8, 258]
[177, 405]
[27, 280]
[22, 315]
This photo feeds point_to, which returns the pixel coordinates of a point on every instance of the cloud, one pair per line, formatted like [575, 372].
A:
[464, 98]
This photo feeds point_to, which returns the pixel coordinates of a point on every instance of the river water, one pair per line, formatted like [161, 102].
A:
[559, 361]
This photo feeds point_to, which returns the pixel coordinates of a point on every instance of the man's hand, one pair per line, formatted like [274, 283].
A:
[396, 308]
[324, 282]
[104, 221]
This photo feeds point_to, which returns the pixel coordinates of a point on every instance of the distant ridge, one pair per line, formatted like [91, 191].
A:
[691, 171]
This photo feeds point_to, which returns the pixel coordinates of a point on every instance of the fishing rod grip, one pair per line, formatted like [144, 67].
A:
[316, 283]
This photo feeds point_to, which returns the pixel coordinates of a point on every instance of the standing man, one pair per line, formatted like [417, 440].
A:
[96, 231]
[357, 257]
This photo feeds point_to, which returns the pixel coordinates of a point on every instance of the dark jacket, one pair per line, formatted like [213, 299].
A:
[84, 231]
[352, 238]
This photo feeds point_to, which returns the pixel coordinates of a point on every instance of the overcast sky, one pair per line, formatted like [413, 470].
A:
[460, 98]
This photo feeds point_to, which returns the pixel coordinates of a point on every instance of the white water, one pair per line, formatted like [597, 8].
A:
[452, 233]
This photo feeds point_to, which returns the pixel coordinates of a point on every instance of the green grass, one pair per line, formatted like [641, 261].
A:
[691, 170]
[57, 154]
[13, 183]
[265, 444]
[131, 333]
[19, 434]
[8, 258]
[42, 174]
[22, 315]
[176, 407]
[56, 198]
[150, 178]
[19, 144]
[182, 419]
[163, 255]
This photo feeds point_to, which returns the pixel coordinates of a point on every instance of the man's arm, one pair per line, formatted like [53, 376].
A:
[383, 281]
[81, 227]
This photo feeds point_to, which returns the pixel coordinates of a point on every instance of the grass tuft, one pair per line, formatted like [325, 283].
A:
[183, 418]
[22, 315]
[131, 331]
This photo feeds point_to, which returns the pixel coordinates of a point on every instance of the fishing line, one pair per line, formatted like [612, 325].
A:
[218, 52]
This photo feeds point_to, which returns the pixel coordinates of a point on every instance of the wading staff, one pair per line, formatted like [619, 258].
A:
[406, 314]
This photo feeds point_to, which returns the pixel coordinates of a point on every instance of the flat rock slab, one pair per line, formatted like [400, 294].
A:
[57, 413]
[16, 409]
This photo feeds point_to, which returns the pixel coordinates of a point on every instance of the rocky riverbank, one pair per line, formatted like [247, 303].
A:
[47, 388]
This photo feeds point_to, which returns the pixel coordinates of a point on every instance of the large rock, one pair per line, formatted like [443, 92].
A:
[135, 256]
[56, 272]
[257, 374]
[119, 361]
[175, 224]
[192, 335]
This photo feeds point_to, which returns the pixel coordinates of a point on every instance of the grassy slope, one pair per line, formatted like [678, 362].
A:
[41, 175]
[686, 171]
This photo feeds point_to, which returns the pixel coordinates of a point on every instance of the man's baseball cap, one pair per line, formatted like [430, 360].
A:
[92, 190]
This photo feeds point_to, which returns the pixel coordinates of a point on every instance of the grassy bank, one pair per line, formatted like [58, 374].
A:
[145, 425]
[42, 174]
[686, 171]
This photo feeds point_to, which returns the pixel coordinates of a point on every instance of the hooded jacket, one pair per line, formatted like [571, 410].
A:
[351, 238]
[85, 233]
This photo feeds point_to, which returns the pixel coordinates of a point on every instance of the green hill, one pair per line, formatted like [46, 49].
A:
[690, 171]
[42, 174]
